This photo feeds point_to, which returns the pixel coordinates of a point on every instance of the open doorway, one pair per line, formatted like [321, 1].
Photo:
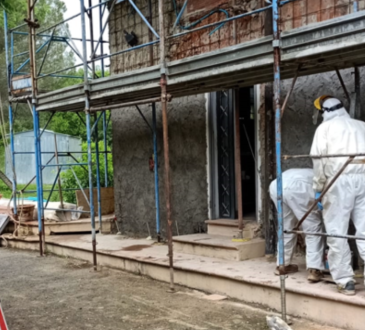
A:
[248, 154]
[221, 115]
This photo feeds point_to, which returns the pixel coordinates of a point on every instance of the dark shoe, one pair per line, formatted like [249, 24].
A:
[348, 289]
[314, 275]
[290, 269]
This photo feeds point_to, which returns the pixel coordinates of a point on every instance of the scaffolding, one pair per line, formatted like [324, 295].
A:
[96, 96]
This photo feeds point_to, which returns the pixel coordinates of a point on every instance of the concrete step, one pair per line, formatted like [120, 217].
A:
[221, 247]
[229, 227]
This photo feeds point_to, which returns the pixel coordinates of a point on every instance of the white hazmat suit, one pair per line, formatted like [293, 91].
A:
[340, 134]
[298, 196]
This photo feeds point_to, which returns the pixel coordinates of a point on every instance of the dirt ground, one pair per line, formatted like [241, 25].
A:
[57, 293]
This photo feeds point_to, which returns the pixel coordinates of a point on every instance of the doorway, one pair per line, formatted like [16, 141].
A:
[221, 126]
[248, 154]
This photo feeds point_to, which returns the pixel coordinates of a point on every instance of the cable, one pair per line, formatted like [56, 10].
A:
[194, 24]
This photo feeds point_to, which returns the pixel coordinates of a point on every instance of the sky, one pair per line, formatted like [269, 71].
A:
[73, 8]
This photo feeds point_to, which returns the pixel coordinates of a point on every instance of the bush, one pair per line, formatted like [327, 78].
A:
[68, 178]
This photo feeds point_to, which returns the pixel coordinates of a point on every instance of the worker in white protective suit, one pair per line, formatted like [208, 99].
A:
[298, 196]
[340, 134]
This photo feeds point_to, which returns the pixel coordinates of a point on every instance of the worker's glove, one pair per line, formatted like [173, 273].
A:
[320, 206]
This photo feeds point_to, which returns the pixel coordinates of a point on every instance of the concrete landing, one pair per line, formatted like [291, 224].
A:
[222, 247]
[252, 281]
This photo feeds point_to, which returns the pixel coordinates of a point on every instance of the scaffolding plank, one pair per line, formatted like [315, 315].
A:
[318, 47]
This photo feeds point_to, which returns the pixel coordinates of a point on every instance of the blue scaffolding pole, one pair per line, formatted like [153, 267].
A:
[11, 119]
[277, 105]
[88, 131]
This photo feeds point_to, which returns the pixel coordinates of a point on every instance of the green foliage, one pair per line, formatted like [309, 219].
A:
[68, 178]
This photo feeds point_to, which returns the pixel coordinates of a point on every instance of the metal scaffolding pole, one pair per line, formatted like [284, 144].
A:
[157, 188]
[11, 119]
[37, 145]
[98, 172]
[163, 83]
[277, 53]
[88, 131]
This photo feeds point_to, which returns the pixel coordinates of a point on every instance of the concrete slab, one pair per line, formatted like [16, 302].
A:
[221, 247]
[252, 281]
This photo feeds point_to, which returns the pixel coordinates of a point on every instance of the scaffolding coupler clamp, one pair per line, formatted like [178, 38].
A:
[33, 24]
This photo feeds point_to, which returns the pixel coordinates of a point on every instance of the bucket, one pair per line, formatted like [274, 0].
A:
[25, 212]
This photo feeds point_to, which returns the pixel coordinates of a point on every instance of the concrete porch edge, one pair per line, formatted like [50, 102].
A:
[299, 302]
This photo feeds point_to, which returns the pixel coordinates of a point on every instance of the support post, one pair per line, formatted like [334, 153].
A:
[98, 173]
[11, 118]
[37, 143]
[163, 83]
[157, 188]
[356, 5]
[237, 162]
[277, 78]
[357, 94]
[88, 131]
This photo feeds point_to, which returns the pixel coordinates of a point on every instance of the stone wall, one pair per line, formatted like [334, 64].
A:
[134, 182]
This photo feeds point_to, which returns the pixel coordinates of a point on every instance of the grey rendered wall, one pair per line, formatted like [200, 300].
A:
[134, 182]
[297, 127]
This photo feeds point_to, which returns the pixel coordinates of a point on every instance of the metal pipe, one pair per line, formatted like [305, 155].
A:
[157, 188]
[80, 186]
[46, 52]
[28, 60]
[96, 122]
[357, 93]
[66, 210]
[45, 126]
[324, 192]
[58, 169]
[61, 70]
[68, 164]
[343, 85]
[144, 118]
[53, 186]
[59, 23]
[101, 14]
[12, 53]
[180, 14]
[289, 93]
[98, 171]
[60, 153]
[166, 139]
[32, 62]
[230, 19]
[237, 162]
[144, 19]
[323, 234]
[34, 177]
[129, 49]
[277, 81]
[103, 30]
[105, 132]
[88, 132]
[91, 28]
[55, 38]
[124, 105]
[286, 157]
[11, 119]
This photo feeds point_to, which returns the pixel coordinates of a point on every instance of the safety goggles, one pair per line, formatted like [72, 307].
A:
[318, 103]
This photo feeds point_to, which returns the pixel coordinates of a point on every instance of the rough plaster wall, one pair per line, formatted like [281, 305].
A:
[133, 181]
[297, 127]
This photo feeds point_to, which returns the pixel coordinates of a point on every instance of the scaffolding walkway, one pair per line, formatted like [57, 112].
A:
[334, 44]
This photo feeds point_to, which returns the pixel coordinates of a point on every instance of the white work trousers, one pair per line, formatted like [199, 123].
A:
[344, 200]
[296, 202]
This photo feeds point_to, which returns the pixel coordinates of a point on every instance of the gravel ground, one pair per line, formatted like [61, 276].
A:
[58, 293]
